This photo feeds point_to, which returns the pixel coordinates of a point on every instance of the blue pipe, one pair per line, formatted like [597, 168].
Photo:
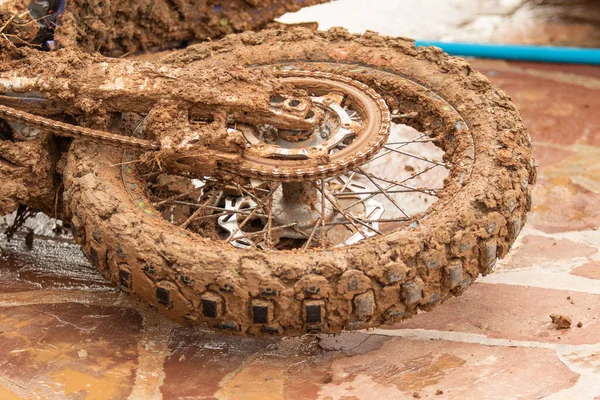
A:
[567, 55]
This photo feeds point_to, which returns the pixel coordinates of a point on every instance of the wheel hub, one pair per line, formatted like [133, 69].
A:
[297, 207]
[351, 123]
[335, 127]
[299, 203]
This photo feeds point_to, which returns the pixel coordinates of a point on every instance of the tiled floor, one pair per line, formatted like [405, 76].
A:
[64, 333]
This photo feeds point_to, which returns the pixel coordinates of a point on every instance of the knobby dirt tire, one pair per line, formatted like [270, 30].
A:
[377, 281]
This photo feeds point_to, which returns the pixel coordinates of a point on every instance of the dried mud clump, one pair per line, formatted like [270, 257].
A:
[26, 173]
[115, 28]
[15, 23]
[561, 321]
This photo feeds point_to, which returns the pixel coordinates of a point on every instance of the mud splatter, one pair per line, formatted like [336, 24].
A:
[411, 375]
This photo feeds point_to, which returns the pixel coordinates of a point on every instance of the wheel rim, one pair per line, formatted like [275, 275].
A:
[374, 199]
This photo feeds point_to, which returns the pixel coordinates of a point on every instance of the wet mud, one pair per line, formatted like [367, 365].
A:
[378, 281]
[27, 268]
[195, 280]
[27, 173]
[15, 24]
[116, 28]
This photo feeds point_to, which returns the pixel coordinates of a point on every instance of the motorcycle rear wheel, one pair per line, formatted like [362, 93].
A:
[416, 265]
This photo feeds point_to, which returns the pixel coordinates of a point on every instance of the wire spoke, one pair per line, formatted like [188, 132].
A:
[409, 189]
[270, 222]
[262, 232]
[267, 209]
[252, 195]
[352, 219]
[414, 175]
[320, 221]
[348, 181]
[356, 229]
[378, 186]
[297, 230]
[411, 142]
[204, 217]
[322, 207]
[312, 235]
[196, 213]
[430, 192]
[388, 151]
[441, 164]
[172, 198]
[249, 217]
[184, 203]
[381, 220]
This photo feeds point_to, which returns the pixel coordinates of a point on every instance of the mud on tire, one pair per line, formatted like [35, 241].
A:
[377, 281]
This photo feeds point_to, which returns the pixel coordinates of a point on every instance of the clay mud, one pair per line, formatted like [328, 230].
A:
[180, 177]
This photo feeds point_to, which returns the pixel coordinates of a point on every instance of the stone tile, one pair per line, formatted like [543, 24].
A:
[6, 394]
[210, 365]
[588, 270]
[70, 350]
[538, 250]
[199, 360]
[557, 71]
[585, 360]
[567, 194]
[461, 370]
[351, 343]
[303, 379]
[271, 377]
[546, 155]
[515, 313]
[555, 108]
[258, 379]
[265, 378]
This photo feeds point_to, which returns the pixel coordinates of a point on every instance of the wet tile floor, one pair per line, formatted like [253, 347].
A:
[64, 333]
